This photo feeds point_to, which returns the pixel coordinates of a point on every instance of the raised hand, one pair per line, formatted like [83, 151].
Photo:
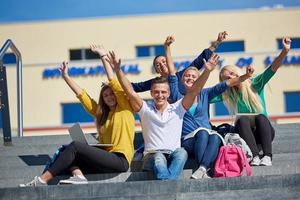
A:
[286, 43]
[211, 64]
[98, 49]
[222, 36]
[64, 68]
[169, 40]
[249, 71]
[114, 61]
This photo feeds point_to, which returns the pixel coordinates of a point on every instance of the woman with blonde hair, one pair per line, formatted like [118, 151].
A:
[197, 136]
[248, 97]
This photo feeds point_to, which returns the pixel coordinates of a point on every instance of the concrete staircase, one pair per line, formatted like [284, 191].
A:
[26, 158]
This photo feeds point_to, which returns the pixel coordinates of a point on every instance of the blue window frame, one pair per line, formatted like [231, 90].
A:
[9, 58]
[153, 50]
[74, 112]
[159, 50]
[231, 46]
[220, 109]
[143, 51]
[295, 43]
[291, 100]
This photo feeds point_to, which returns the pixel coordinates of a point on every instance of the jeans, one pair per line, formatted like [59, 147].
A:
[166, 166]
[203, 147]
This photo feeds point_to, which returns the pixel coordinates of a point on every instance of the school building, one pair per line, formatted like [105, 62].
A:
[50, 106]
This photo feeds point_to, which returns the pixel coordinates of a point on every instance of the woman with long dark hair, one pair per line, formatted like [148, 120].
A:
[115, 125]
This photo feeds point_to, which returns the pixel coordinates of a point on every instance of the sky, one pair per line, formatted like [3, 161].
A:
[14, 11]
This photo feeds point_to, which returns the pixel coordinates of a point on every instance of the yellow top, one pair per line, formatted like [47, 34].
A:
[119, 126]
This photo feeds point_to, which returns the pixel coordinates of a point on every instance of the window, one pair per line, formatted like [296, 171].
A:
[76, 54]
[90, 55]
[82, 54]
[291, 100]
[295, 43]
[9, 58]
[231, 46]
[220, 109]
[74, 112]
[146, 51]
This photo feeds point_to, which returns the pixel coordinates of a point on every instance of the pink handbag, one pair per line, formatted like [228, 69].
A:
[231, 162]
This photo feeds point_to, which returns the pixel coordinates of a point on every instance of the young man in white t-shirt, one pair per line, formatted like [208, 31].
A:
[162, 122]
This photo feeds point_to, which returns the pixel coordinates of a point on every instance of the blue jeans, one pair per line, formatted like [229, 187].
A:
[166, 166]
[203, 147]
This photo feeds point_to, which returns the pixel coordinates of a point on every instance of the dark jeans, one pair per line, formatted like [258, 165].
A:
[263, 133]
[203, 147]
[88, 159]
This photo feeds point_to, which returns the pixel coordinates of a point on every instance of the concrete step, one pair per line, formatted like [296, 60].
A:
[159, 188]
[279, 146]
[291, 193]
[61, 139]
[6, 182]
[282, 131]
[26, 173]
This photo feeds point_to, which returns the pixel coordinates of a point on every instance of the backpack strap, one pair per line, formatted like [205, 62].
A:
[245, 161]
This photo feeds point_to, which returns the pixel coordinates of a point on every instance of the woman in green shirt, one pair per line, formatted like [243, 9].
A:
[248, 97]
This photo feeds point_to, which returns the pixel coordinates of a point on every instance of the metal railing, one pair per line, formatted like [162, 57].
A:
[9, 44]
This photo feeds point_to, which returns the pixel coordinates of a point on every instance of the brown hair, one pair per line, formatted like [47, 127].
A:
[158, 80]
[102, 109]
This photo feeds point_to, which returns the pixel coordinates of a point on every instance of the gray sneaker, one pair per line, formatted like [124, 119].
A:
[201, 172]
[266, 161]
[76, 180]
[34, 183]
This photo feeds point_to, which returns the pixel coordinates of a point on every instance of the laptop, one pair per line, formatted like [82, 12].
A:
[77, 134]
[251, 116]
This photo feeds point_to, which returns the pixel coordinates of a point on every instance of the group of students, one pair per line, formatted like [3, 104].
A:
[176, 125]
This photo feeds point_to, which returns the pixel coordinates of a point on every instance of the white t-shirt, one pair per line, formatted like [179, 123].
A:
[162, 131]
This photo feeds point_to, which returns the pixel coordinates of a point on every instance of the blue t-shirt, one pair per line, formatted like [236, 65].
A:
[198, 63]
[201, 116]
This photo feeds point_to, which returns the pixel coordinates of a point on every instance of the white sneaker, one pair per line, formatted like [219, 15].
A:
[266, 161]
[201, 172]
[34, 183]
[76, 180]
[255, 161]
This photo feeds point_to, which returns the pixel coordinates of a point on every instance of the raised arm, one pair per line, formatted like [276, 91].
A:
[135, 101]
[99, 49]
[170, 63]
[286, 46]
[237, 80]
[210, 65]
[214, 45]
[206, 53]
[71, 83]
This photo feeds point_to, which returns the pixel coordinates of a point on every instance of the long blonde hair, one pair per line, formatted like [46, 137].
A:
[249, 94]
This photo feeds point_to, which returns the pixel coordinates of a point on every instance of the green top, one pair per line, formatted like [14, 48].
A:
[258, 83]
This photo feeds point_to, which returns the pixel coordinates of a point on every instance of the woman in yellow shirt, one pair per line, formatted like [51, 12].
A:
[115, 125]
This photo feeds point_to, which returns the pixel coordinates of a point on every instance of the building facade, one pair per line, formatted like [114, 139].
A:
[254, 38]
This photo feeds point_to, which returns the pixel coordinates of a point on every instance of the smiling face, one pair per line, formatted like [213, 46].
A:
[189, 77]
[160, 65]
[109, 98]
[160, 93]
